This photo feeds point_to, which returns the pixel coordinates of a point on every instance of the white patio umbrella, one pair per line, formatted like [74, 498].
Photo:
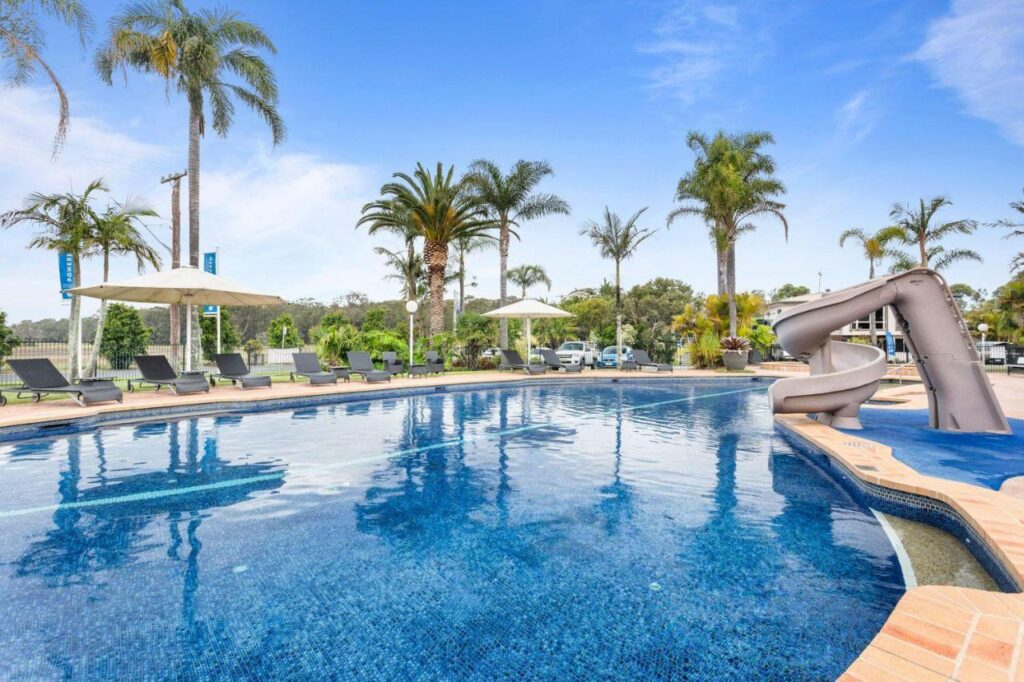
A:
[185, 285]
[528, 309]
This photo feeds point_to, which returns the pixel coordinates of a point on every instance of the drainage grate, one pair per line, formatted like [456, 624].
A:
[866, 467]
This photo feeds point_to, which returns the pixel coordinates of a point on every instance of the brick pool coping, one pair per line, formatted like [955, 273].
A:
[937, 632]
[934, 632]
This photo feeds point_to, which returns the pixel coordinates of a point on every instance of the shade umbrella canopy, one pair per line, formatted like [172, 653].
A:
[528, 309]
[187, 285]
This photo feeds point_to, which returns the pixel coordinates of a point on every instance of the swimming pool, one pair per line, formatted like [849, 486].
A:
[984, 459]
[577, 529]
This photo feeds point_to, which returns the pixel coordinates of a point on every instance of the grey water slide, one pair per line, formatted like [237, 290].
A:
[844, 375]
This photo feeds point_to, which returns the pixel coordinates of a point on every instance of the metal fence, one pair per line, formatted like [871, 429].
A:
[121, 366]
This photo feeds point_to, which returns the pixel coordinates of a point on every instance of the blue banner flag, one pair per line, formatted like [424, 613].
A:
[210, 266]
[67, 273]
[890, 344]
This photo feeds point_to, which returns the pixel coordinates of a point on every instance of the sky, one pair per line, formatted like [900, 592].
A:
[871, 103]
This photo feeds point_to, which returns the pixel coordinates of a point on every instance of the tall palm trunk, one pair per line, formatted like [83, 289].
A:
[618, 316]
[175, 313]
[503, 240]
[871, 320]
[436, 255]
[75, 323]
[410, 275]
[194, 135]
[924, 251]
[101, 320]
[722, 257]
[462, 280]
[731, 284]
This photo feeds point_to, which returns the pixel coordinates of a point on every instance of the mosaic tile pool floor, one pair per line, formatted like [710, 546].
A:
[978, 458]
[598, 531]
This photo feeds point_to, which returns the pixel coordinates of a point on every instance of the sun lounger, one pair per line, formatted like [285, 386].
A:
[391, 363]
[157, 371]
[308, 365]
[39, 377]
[642, 359]
[231, 366]
[552, 361]
[435, 365]
[360, 363]
[512, 360]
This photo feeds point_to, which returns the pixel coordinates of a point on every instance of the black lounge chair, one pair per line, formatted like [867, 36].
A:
[360, 363]
[552, 361]
[512, 360]
[157, 371]
[39, 377]
[642, 359]
[435, 365]
[391, 363]
[308, 365]
[231, 366]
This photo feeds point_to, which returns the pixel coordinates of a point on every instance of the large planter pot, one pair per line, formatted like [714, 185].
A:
[734, 359]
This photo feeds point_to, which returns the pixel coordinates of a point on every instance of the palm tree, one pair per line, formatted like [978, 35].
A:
[437, 208]
[875, 248]
[464, 247]
[914, 227]
[1018, 261]
[526, 276]
[67, 223]
[115, 233]
[196, 52]
[22, 40]
[617, 241]
[395, 219]
[510, 200]
[732, 182]
[407, 268]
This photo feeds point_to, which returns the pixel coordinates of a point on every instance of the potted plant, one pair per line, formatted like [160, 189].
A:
[734, 352]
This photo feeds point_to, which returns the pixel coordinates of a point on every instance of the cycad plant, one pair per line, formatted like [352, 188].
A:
[512, 199]
[66, 224]
[115, 232]
[197, 54]
[437, 208]
[526, 276]
[914, 225]
[617, 240]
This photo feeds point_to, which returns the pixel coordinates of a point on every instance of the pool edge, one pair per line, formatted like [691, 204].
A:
[934, 632]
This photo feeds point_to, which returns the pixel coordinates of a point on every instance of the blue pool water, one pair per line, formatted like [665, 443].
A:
[980, 458]
[585, 530]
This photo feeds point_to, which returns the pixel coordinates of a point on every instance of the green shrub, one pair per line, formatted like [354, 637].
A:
[380, 340]
[282, 333]
[229, 336]
[336, 342]
[8, 339]
[706, 350]
[125, 335]
[762, 339]
[375, 320]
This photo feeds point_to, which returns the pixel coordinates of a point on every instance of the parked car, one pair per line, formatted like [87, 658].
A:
[607, 357]
[578, 352]
[491, 353]
[993, 352]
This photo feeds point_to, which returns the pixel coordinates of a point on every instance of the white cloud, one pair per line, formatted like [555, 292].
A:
[856, 118]
[977, 50]
[284, 222]
[696, 42]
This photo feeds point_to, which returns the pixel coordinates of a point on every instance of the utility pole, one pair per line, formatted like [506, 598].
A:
[175, 322]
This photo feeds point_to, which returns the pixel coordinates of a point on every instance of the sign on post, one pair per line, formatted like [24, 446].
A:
[66, 264]
[890, 344]
[210, 266]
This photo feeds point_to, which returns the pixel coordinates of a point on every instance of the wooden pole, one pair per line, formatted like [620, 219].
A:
[175, 319]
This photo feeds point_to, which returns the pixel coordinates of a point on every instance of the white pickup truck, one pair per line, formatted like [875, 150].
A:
[577, 352]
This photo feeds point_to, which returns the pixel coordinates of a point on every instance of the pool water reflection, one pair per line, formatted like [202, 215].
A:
[654, 529]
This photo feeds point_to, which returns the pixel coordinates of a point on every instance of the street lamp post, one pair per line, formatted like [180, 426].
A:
[983, 328]
[411, 307]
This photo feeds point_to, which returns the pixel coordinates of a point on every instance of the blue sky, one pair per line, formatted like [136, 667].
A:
[870, 103]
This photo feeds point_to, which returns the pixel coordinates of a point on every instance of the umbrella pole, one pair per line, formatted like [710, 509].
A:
[188, 337]
[528, 340]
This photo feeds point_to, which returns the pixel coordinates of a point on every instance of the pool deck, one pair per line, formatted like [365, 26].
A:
[934, 633]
